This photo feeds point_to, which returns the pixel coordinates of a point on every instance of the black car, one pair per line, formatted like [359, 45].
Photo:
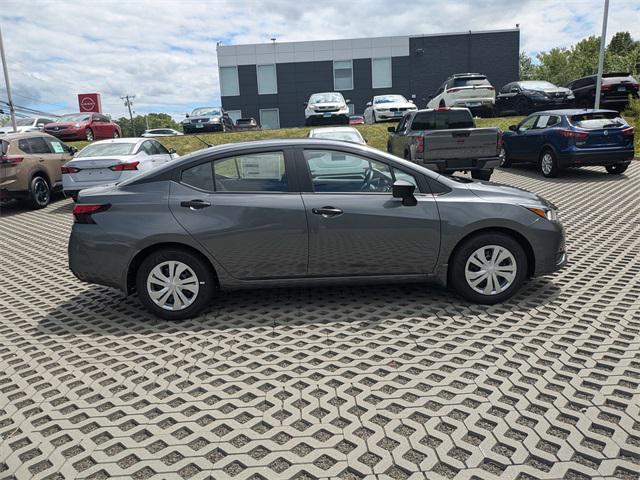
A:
[527, 96]
[247, 124]
[208, 119]
[614, 91]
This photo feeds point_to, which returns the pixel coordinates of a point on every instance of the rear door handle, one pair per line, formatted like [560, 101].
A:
[327, 212]
[195, 204]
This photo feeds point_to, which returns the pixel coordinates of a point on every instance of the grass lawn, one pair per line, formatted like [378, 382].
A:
[376, 135]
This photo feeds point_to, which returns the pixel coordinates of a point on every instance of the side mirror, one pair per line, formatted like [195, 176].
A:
[347, 101]
[391, 129]
[369, 104]
[366, 140]
[172, 151]
[513, 128]
[404, 190]
[73, 150]
[411, 101]
[186, 115]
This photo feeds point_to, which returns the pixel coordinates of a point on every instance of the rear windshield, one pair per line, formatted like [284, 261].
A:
[244, 120]
[594, 121]
[340, 135]
[442, 120]
[101, 150]
[470, 81]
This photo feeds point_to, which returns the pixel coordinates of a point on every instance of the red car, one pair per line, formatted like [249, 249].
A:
[83, 126]
[356, 120]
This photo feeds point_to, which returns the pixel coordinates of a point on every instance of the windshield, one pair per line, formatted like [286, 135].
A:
[24, 122]
[205, 111]
[390, 99]
[594, 121]
[345, 136]
[326, 98]
[74, 117]
[530, 85]
[470, 81]
[104, 149]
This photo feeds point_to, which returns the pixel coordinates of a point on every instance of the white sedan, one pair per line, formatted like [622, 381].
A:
[161, 132]
[387, 107]
[346, 134]
[111, 161]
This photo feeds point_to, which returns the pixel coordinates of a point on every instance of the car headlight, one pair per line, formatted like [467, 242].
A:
[571, 96]
[549, 213]
[77, 125]
[184, 122]
[214, 120]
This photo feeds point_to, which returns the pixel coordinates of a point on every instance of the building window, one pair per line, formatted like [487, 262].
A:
[343, 75]
[352, 109]
[229, 81]
[270, 118]
[267, 79]
[234, 114]
[381, 72]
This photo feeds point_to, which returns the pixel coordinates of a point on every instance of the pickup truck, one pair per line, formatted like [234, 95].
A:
[446, 140]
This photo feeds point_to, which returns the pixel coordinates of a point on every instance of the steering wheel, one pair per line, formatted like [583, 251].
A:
[375, 181]
[368, 178]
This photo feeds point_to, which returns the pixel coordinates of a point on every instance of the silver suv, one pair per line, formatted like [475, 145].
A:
[279, 213]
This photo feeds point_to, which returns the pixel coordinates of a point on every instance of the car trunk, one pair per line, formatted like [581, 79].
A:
[468, 142]
[602, 138]
[600, 130]
[473, 91]
[95, 169]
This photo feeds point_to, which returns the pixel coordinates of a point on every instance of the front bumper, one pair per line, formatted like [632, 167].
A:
[206, 127]
[554, 239]
[70, 134]
[393, 116]
[327, 118]
[595, 157]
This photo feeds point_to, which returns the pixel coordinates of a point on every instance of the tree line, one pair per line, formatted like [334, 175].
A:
[561, 65]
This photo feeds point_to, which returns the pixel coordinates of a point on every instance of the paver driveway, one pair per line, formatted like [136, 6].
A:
[396, 381]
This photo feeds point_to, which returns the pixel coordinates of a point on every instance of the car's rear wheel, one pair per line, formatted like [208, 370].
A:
[549, 164]
[88, 134]
[39, 192]
[488, 268]
[617, 169]
[174, 284]
[482, 174]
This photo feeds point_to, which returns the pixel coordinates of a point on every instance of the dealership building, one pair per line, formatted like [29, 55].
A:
[271, 82]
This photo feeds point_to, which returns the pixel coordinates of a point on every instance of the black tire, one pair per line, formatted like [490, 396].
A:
[204, 278]
[389, 147]
[462, 254]
[88, 134]
[617, 168]
[505, 161]
[373, 117]
[482, 174]
[549, 170]
[39, 192]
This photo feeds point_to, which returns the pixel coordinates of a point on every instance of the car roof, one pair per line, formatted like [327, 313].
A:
[324, 93]
[334, 129]
[18, 136]
[120, 140]
[574, 111]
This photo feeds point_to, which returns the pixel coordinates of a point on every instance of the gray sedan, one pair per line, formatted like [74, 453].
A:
[307, 212]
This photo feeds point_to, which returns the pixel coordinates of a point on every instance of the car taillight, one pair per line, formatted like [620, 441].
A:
[12, 159]
[69, 170]
[82, 213]
[442, 108]
[574, 134]
[628, 132]
[499, 141]
[124, 166]
[606, 86]
[419, 144]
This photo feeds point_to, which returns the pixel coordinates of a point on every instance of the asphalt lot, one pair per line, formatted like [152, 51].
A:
[390, 381]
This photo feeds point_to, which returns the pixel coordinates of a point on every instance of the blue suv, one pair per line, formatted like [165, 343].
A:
[557, 139]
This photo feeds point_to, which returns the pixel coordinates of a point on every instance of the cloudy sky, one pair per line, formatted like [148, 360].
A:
[164, 52]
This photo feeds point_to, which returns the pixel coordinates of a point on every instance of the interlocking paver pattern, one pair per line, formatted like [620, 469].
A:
[393, 381]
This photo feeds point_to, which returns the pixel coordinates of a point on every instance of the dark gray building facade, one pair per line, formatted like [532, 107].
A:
[271, 82]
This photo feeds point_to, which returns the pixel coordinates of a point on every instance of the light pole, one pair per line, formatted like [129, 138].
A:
[12, 110]
[128, 101]
[603, 41]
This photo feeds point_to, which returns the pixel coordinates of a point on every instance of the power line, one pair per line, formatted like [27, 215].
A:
[36, 100]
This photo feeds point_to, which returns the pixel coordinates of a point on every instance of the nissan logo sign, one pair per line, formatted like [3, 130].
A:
[88, 104]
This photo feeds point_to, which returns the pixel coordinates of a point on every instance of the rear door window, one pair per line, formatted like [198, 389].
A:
[38, 145]
[24, 145]
[547, 121]
[56, 146]
[254, 172]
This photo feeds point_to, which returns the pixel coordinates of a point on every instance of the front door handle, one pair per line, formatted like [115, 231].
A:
[327, 212]
[195, 204]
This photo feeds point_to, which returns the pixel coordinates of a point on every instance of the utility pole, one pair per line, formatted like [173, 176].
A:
[128, 102]
[8, 84]
[603, 41]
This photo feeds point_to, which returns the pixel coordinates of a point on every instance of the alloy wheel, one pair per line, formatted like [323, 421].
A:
[546, 164]
[173, 285]
[41, 191]
[491, 270]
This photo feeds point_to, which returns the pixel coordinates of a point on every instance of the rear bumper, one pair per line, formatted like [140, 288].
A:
[459, 164]
[595, 158]
[474, 103]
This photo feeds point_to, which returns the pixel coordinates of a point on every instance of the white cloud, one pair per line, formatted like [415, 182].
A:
[164, 52]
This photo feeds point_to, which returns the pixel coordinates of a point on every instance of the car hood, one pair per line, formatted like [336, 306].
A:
[552, 90]
[63, 124]
[379, 106]
[496, 191]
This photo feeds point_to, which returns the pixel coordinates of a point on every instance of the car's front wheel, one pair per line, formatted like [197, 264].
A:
[617, 168]
[174, 284]
[488, 268]
[88, 134]
[116, 134]
[505, 161]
